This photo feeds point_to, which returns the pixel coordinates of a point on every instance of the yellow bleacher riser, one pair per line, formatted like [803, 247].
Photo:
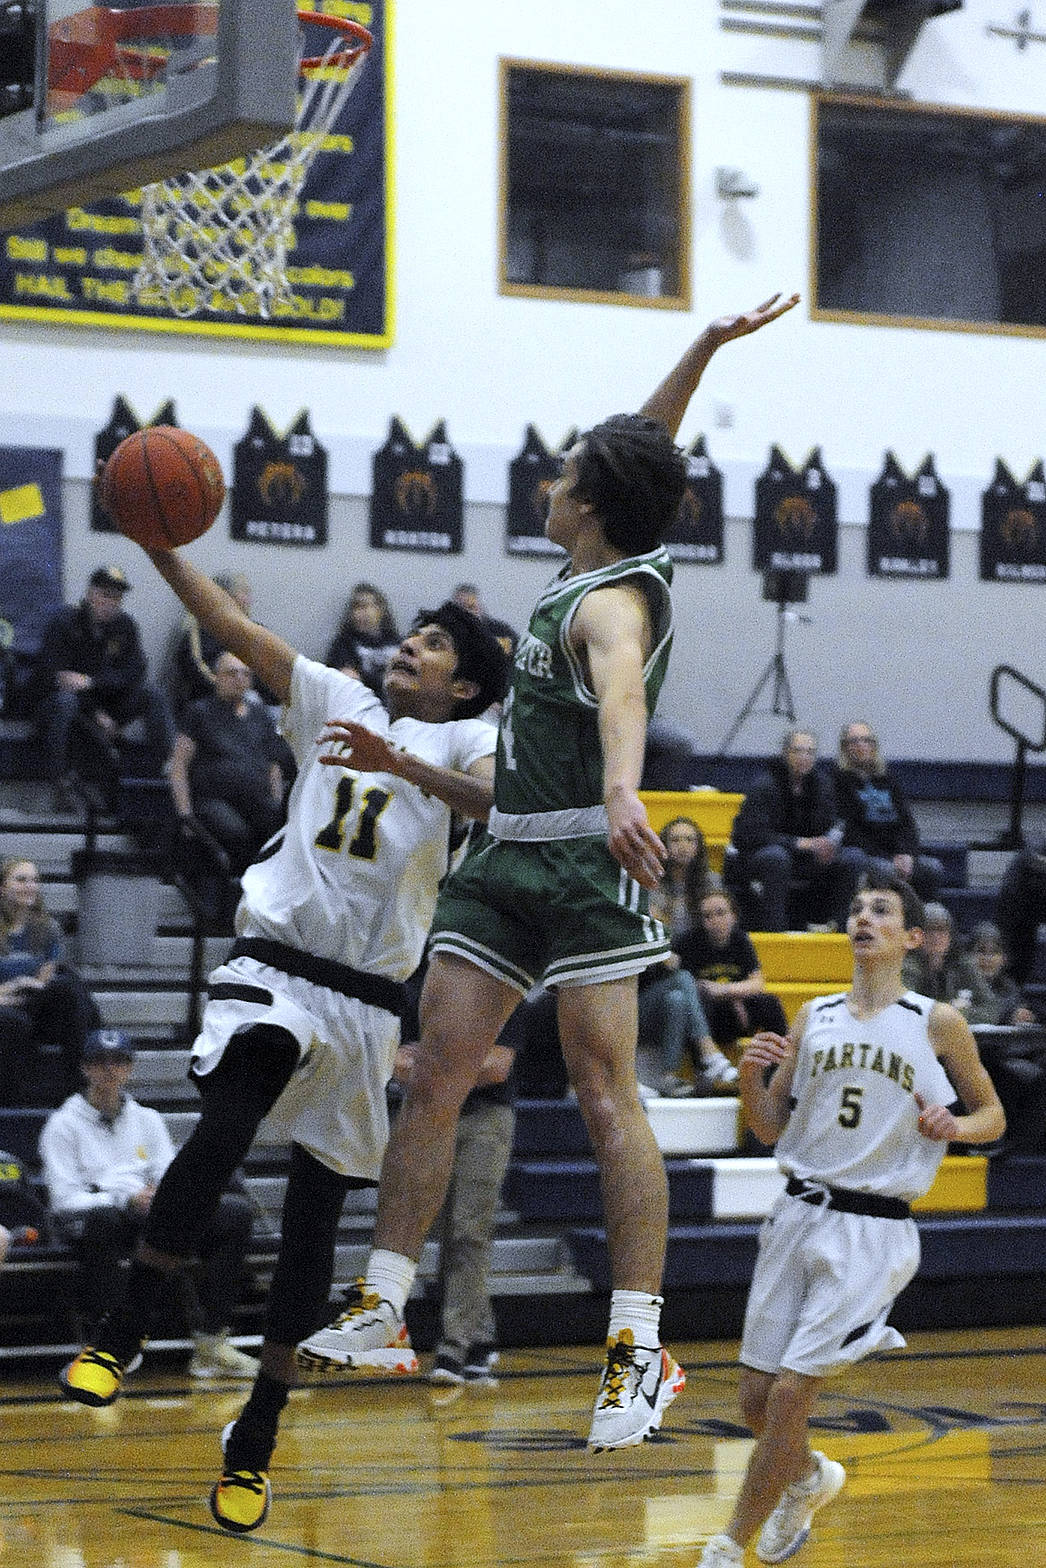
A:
[961, 1184]
[805, 956]
[712, 809]
[793, 993]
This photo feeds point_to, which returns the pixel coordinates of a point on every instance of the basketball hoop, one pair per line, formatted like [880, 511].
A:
[218, 238]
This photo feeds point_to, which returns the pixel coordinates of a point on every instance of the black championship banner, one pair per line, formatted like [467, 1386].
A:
[279, 485]
[123, 422]
[796, 517]
[78, 268]
[1013, 527]
[908, 523]
[530, 473]
[30, 544]
[697, 533]
[416, 502]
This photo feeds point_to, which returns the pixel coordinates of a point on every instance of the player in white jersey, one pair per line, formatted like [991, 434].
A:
[302, 1020]
[860, 1100]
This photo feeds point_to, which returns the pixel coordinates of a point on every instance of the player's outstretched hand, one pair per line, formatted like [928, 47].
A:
[936, 1122]
[725, 328]
[349, 744]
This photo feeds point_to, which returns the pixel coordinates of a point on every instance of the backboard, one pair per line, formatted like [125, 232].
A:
[129, 93]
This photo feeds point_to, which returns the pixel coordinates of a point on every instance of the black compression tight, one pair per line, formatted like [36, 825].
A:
[301, 1280]
[254, 1070]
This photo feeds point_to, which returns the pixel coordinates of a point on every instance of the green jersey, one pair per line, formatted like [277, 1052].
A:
[549, 757]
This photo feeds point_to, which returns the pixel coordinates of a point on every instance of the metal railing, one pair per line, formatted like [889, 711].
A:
[1013, 836]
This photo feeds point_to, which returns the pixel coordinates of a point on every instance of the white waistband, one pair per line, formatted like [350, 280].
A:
[576, 822]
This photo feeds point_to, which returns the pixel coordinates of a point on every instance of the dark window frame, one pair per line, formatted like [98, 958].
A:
[671, 252]
[958, 136]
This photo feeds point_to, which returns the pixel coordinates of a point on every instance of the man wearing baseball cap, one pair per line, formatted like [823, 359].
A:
[91, 670]
[103, 1155]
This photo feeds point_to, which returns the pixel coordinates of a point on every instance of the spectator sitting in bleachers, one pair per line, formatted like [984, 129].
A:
[686, 878]
[196, 652]
[989, 954]
[467, 596]
[103, 1155]
[877, 818]
[91, 667]
[1021, 909]
[939, 968]
[785, 862]
[367, 637]
[226, 766]
[676, 1048]
[723, 961]
[23, 1216]
[42, 1000]
[677, 1055]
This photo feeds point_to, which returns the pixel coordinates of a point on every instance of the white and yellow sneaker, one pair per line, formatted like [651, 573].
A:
[370, 1335]
[214, 1355]
[639, 1383]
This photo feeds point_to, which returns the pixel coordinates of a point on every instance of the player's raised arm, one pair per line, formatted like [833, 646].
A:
[271, 659]
[669, 402]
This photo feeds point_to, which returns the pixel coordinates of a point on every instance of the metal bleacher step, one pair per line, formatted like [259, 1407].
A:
[145, 1014]
[53, 850]
[62, 897]
[168, 963]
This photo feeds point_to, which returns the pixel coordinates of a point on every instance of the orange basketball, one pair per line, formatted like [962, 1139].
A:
[162, 487]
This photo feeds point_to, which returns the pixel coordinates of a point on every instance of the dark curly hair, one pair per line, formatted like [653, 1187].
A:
[634, 475]
[481, 657]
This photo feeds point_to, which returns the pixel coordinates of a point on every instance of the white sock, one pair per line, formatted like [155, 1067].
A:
[391, 1276]
[640, 1312]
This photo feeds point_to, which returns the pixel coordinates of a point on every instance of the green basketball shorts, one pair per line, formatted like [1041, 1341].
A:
[562, 911]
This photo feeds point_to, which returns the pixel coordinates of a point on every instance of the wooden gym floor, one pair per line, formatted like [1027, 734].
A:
[945, 1447]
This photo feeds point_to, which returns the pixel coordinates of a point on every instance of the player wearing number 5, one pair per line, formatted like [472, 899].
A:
[860, 1102]
[302, 1020]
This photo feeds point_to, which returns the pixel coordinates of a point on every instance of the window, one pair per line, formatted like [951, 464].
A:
[928, 216]
[594, 185]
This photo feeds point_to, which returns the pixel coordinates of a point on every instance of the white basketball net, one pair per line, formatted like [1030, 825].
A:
[218, 239]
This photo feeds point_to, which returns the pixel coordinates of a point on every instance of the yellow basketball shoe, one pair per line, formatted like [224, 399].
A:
[240, 1499]
[95, 1377]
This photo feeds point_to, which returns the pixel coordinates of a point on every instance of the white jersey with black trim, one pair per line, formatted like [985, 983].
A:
[854, 1120]
[353, 875]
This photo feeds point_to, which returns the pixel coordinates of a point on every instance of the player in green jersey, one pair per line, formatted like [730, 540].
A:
[557, 890]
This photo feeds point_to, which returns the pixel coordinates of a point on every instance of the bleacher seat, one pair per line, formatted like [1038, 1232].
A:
[550, 1241]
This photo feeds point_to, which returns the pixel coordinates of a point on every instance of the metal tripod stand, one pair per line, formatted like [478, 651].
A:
[776, 672]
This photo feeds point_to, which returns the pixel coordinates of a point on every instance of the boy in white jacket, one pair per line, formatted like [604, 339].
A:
[103, 1157]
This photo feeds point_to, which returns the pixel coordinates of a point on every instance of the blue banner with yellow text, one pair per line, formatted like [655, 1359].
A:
[79, 267]
[30, 543]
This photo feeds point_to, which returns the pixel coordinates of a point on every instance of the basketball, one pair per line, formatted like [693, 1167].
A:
[162, 487]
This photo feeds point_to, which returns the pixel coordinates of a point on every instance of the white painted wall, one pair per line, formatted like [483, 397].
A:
[913, 658]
